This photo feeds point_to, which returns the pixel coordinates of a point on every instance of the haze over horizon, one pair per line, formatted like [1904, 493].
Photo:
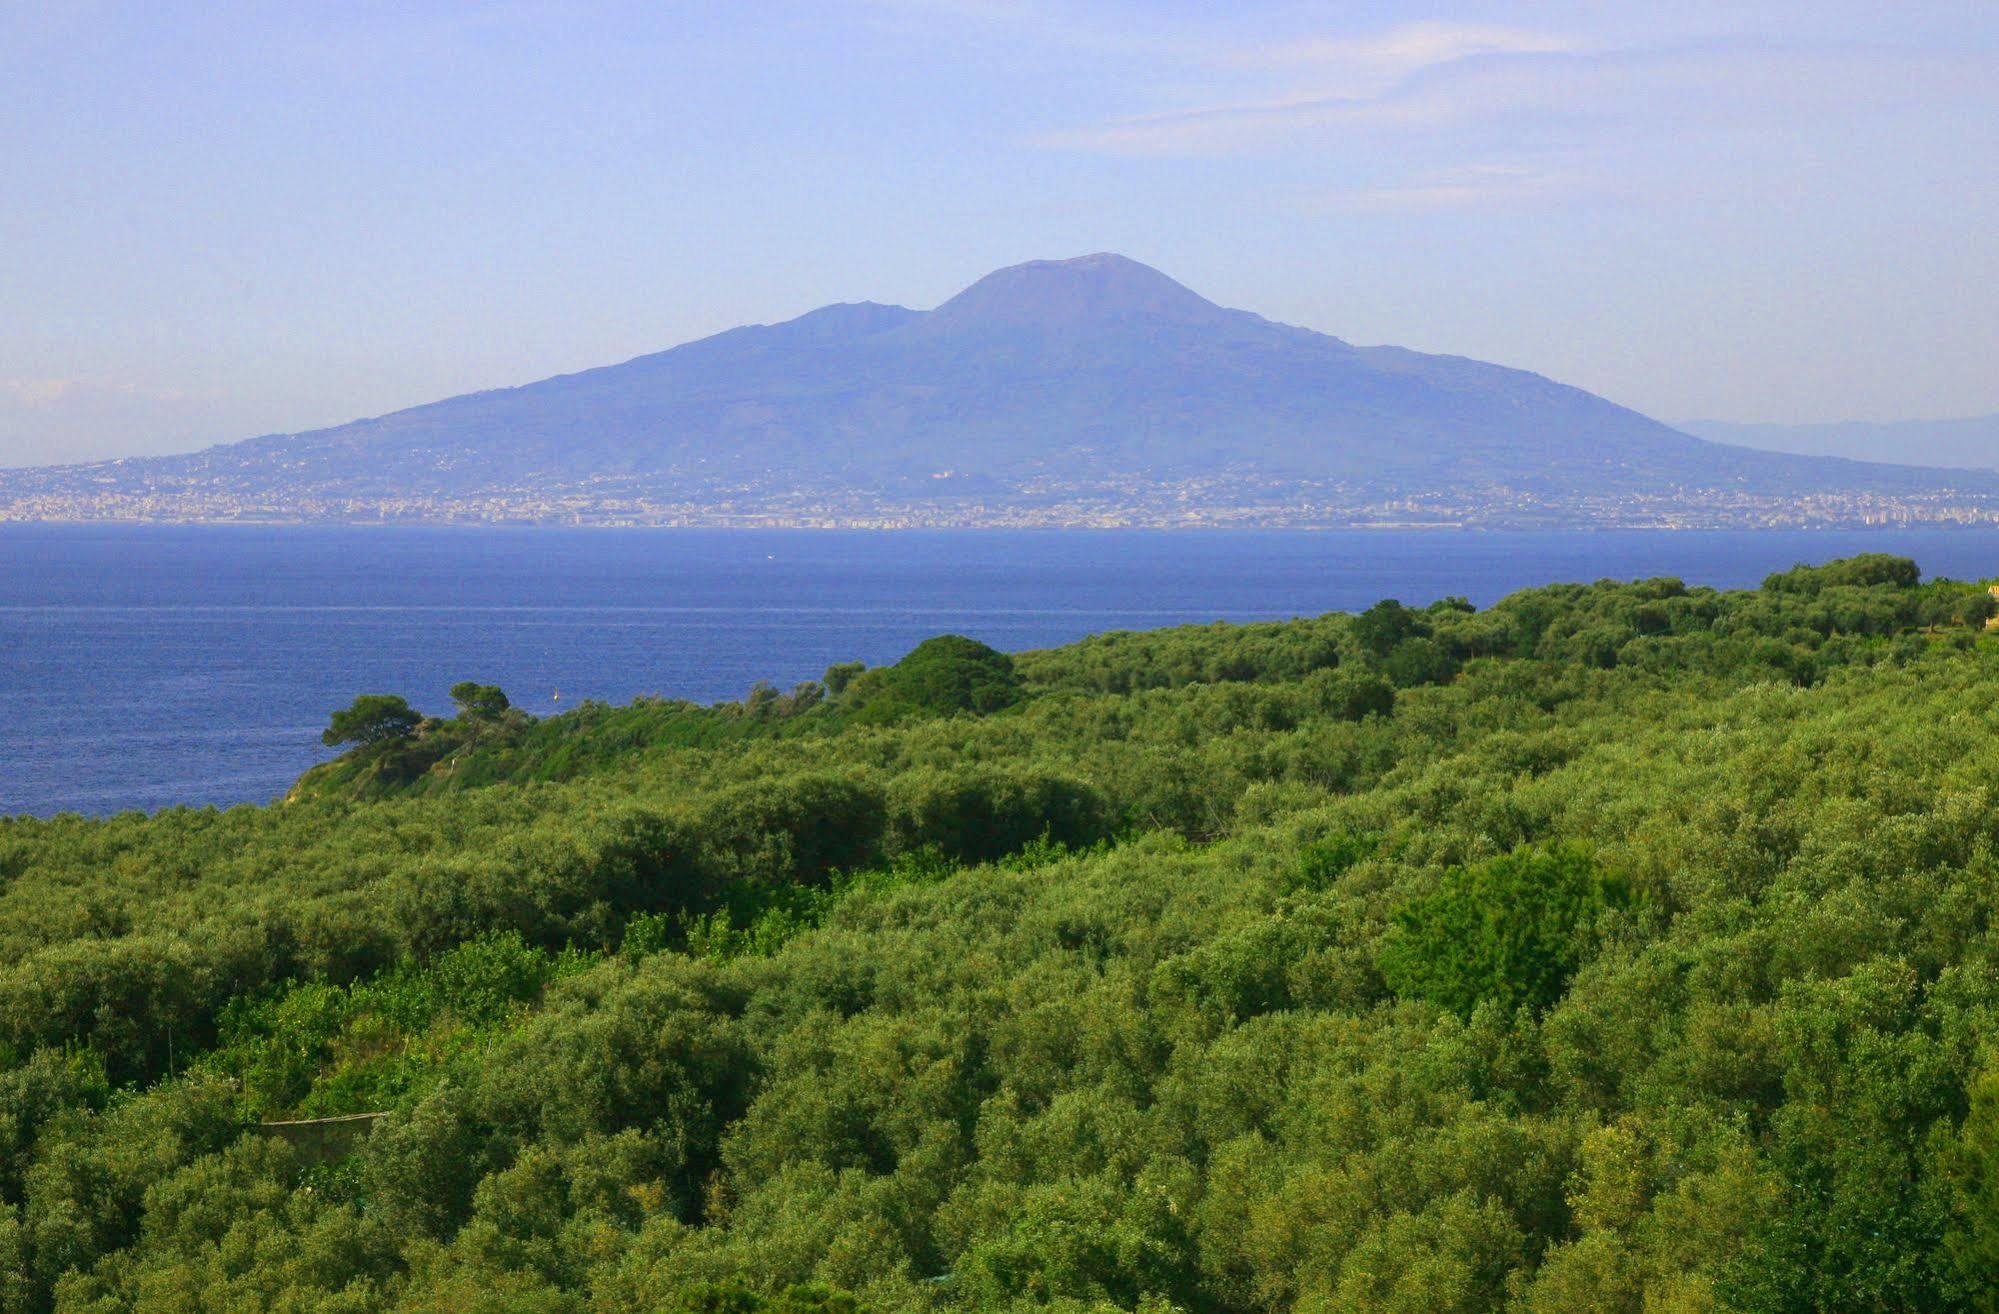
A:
[236, 219]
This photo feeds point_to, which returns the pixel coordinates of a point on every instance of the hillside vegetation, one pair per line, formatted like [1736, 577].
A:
[1621, 947]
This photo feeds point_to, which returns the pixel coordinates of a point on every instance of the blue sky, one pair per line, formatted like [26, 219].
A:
[226, 219]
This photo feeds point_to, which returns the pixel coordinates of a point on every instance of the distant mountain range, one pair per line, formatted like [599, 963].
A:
[1968, 444]
[1071, 392]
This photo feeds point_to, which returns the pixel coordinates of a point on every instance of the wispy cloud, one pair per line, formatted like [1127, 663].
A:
[78, 419]
[1432, 75]
[46, 394]
[36, 393]
[1414, 76]
[1442, 116]
[1352, 66]
[1475, 186]
[1052, 25]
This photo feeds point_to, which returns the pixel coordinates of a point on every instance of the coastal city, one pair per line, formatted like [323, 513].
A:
[1210, 502]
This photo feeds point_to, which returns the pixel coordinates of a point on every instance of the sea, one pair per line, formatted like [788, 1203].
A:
[144, 667]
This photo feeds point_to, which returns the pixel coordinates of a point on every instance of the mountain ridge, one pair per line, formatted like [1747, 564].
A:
[1968, 443]
[1093, 390]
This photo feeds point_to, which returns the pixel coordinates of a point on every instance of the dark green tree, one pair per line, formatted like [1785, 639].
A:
[479, 702]
[981, 814]
[951, 673]
[1385, 624]
[1416, 661]
[372, 719]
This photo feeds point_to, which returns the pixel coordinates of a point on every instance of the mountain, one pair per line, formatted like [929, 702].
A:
[1087, 391]
[1968, 444]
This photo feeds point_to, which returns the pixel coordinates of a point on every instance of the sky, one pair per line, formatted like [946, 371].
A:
[222, 219]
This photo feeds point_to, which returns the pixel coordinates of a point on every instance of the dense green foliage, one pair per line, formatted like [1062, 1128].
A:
[1620, 947]
[1508, 931]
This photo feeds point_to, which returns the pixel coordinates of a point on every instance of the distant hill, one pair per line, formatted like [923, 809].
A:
[1968, 444]
[1085, 391]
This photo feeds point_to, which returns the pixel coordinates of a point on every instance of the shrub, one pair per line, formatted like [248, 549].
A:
[1324, 861]
[796, 828]
[1511, 930]
[981, 814]
[1351, 695]
[1868, 570]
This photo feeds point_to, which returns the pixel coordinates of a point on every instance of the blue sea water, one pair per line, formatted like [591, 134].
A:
[142, 667]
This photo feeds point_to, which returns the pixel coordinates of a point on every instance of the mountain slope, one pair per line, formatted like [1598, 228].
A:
[1093, 390]
[1967, 444]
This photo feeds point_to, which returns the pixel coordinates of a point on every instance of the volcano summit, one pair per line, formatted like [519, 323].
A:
[1092, 391]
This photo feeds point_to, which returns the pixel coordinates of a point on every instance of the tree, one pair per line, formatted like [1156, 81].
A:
[372, 719]
[1509, 930]
[1385, 624]
[422, 1166]
[479, 702]
[1351, 695]
[1418, 660]
[951, 673]
[1867, 570]
[1972, 1165]
[981, 814]
[841, 674]
[761, 701]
